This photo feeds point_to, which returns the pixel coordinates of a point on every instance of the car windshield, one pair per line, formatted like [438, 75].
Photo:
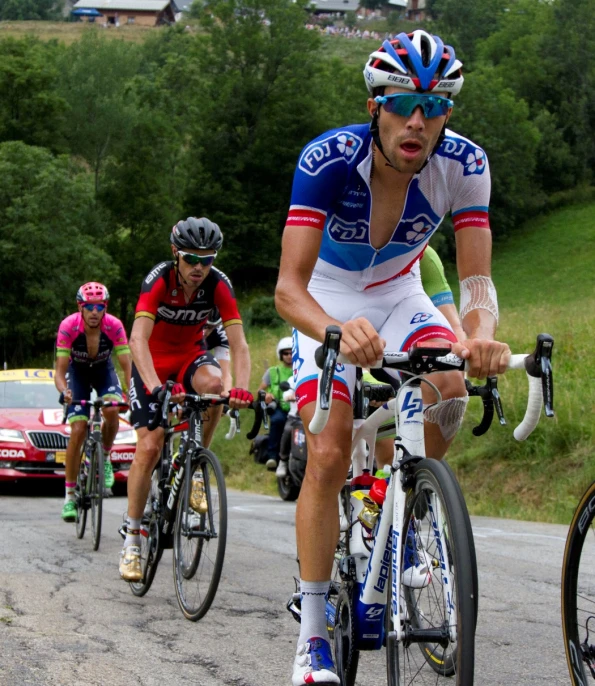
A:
[28, 394]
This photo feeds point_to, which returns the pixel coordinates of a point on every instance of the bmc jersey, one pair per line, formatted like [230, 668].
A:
[72, 340]
[331, 192]
[178, 330]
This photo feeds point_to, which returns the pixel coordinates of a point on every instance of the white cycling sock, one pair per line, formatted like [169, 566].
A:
[132, 532]
[69, 492]
[313, 610]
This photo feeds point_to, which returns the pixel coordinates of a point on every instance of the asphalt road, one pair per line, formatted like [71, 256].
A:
[66, 618]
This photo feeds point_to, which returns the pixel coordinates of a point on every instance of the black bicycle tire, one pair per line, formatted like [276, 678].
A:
[470, 537]
[97, 480]
[193, 613]
[154, 539]
[435, 474]
[577, 533]
[288, 489]
[81, 510]
[140, 588]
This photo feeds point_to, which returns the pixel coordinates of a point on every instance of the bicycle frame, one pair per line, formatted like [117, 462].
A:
[372, 572]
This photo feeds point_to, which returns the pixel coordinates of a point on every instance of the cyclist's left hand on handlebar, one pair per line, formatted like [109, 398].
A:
[239, 398]
[485, 357]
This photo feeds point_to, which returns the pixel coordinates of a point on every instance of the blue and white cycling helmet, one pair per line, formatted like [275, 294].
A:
[417, 61]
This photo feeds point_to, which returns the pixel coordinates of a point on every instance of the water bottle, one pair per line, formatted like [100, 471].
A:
[361, 510]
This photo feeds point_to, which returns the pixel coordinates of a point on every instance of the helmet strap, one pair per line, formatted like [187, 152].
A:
[375, 131]
[438, 143]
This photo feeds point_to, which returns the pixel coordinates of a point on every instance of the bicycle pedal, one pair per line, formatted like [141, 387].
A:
[294, 605]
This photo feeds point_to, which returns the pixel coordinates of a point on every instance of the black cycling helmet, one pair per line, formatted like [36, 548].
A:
[196, 233]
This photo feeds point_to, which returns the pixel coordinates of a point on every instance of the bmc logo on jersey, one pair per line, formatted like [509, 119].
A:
[421, 317]
[346, 232]
[318, 155]
[473, 159]
[179, 315]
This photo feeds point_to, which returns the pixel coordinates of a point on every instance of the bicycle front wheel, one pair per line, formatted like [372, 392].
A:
[80, 498]
[578, 592]
[438, 607]
[200, 535]
[95, 487]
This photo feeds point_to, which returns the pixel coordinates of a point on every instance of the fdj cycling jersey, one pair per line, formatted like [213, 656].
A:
[331, 192]
[178, 324]
[72, 340]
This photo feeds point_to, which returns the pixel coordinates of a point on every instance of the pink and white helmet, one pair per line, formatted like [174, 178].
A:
[417, 61]
[92, 292]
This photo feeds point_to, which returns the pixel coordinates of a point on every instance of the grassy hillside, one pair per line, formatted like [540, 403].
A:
[546, 282]
[69, 32]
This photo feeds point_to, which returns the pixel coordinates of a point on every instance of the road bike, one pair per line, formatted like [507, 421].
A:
[578, 592]
[187, 505]
[425, 620]
[90, 481]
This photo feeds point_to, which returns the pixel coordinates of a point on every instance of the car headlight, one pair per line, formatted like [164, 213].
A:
[11, 436]
[125, 437]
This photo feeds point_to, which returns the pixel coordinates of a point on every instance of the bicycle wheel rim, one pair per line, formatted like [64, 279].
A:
[578, 592]
[96, 482]
[435, 497]
[200, 539]
[80, 496]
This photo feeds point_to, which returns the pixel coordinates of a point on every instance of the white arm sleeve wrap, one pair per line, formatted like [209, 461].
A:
[478, 293]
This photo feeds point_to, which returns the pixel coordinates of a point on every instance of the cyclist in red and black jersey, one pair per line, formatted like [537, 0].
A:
[167, 344]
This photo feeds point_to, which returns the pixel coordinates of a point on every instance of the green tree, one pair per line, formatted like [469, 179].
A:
[50, 241]
[31, 110]
[30, 10]
[145, 183]
[490, 114]
[465, 23]
[267, 92]
[95, 81]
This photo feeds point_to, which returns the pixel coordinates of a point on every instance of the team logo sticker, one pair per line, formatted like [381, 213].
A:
[342, 146]
[421, 317]
[475, 162]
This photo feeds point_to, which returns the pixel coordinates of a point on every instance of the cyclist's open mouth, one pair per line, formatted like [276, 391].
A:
[410, 149]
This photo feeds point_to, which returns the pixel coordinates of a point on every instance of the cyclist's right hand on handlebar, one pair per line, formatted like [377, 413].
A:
[177, 392]
[360, 342]
[65, 397]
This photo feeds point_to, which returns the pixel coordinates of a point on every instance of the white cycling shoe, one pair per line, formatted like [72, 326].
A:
[417, 563]
[314, 664]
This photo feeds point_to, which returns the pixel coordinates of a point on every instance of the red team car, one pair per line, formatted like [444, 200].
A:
[32, 437]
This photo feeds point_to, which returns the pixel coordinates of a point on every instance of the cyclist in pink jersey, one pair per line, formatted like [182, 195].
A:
[85, 342]
[366, 199]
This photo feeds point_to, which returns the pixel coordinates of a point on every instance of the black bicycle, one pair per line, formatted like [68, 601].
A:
[578, 592]
[187, 506]
[90, 480]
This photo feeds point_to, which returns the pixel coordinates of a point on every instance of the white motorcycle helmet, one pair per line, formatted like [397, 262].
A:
[284, 344]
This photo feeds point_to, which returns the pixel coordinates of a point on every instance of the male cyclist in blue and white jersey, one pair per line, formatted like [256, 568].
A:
[366, 199]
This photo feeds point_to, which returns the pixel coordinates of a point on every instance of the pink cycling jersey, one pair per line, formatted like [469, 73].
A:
[72, 340]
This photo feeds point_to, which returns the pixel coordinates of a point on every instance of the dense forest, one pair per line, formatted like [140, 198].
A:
[105, 144]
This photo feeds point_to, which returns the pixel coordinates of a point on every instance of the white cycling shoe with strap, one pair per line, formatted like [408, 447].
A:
[314, 664]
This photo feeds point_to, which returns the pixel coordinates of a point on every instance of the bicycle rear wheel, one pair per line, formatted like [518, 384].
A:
[95, 488]
[578, 592]
[436, 513]
[200, 535]
[80, 498]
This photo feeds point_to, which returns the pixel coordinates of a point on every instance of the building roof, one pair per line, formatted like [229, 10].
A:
[123, 5]
[335, 5]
